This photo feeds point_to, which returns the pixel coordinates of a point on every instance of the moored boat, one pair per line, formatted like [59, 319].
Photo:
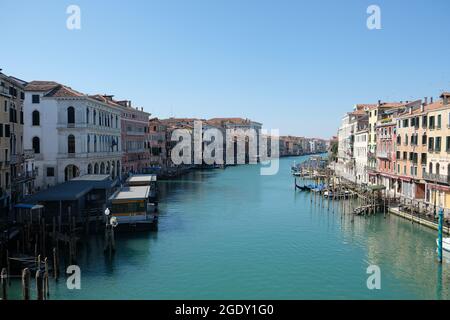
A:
[445, 244]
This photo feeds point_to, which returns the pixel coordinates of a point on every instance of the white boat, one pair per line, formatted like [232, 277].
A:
[445, 244]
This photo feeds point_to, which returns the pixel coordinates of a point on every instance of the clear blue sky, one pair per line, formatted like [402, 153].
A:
[293, 65]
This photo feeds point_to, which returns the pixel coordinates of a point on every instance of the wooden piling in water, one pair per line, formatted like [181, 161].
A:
[46, 283]
[4, 283]
[55, 264]
[39, 285]
[26, 284]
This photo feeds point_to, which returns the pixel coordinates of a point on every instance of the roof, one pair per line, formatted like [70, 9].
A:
[92, 177]
[41, 85]
[141, 178]
[53, 89]
[131, 193]
[68, 191]
[71, 190]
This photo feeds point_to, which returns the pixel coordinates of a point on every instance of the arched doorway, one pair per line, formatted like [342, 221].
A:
[102, 168]
[108, 168]
[70, 172]
[96, 168]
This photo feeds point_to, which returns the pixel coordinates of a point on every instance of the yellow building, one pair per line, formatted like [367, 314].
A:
[438, 163]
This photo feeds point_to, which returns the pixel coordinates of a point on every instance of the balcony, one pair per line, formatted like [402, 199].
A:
[24, 176]
[16, 158]
[384, 155]
[437, 178]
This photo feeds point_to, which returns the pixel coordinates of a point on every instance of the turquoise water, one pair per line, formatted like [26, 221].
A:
[234, 234]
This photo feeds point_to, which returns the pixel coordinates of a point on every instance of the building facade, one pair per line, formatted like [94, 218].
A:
[71, 133]
[157, 143]
[135, 136]
[16, 169]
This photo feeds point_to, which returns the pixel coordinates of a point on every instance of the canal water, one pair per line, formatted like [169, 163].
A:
[234, 234]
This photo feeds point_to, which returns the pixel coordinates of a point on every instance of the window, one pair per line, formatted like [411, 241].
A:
[447, 144]
[7, 131]
[439, 121]
[71, 144]
[50, 172]
[399, 140]
[36, 145]
[438, 168]
[1, 129]
[6, 106]
[438, 144]
[35, 118]
[423, 159]
[424, 139]
[430, 168]
[35, 98]
[406, 139]
[430, 144]
[71, 115]
[432, 122]
[87, 115]
[424, 121]
[398, 155]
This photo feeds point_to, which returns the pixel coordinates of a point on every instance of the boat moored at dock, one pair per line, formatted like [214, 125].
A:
[133, 209]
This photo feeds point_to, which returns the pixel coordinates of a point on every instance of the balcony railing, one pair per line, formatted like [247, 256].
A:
[384, 155]
[437, 177]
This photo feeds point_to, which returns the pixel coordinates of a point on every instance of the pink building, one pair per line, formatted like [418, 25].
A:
[135, 138]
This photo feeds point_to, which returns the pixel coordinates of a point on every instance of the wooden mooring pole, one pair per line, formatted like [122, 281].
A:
[4, 283]
[26, 284]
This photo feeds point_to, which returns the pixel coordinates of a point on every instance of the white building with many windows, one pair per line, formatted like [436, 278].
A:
[71, 133]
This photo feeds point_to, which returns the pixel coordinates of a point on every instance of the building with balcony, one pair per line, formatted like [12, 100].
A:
[411, 149]
[70, 133]
[13, 167]
[135, 136]
[360, 155]
[351, 123]
[437, 164]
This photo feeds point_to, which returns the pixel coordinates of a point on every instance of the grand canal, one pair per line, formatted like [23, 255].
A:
[234, 234]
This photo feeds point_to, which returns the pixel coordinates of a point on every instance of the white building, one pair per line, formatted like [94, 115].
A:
[71, 133]
[360, 154]
[351, 123]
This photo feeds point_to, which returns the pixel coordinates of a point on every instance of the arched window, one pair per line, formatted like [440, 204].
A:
[87, 115]
[89, 169]
[95, 117]
[438, 167]
[36, 118]
[96, 168]
[88, 143]
[36, 145]
[71, 115]
[117, 121]
[430, 168]
[71, 144]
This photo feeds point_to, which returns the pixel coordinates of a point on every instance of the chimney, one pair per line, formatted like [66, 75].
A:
[108, 97]
[445, 97]
[431, 99]
[379, 102]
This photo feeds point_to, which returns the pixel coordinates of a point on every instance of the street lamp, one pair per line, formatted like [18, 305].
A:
[107, 212]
